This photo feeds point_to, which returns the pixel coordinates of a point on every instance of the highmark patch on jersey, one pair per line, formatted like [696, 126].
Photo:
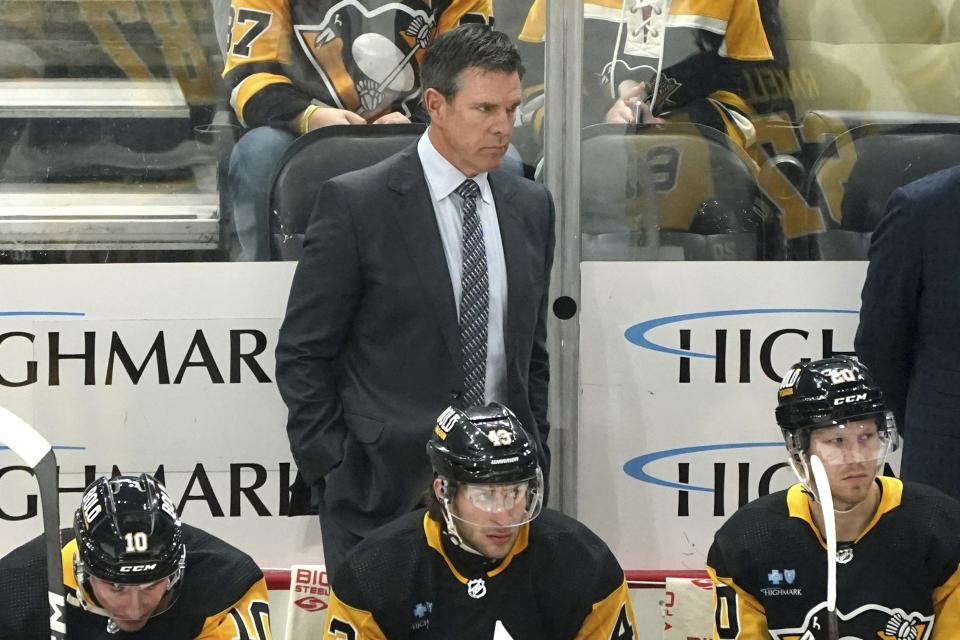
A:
[781, 583]
[869, 622]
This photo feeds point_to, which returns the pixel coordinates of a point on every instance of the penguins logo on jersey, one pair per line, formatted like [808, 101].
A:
[869, 622]
[364, 70]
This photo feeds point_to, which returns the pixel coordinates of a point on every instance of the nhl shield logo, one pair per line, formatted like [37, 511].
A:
[476, 588]
[844, 555]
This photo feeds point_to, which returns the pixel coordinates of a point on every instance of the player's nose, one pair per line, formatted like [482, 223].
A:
[136, 605]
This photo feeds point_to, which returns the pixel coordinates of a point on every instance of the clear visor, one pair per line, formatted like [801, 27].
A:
[499, 505]
[128, 602]
[859, 441]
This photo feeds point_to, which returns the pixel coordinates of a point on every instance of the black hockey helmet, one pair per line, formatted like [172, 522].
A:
[482, 445]
[485, 453]
[128, 533]
[827, 392]
[830, 393]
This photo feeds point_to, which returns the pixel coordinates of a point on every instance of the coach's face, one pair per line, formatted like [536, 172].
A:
[472, 129]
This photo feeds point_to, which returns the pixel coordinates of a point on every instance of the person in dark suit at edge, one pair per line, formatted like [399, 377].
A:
[909, 333]
[423, 283]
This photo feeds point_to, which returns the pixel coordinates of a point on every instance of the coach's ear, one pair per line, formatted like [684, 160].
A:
[435, 102]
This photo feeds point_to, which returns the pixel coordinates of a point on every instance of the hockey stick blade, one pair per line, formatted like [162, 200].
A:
[22, 439]
[34, 449]
[825, 497]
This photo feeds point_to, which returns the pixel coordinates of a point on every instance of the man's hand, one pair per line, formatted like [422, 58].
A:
[630, 107]
[394, 117]
[327, 116]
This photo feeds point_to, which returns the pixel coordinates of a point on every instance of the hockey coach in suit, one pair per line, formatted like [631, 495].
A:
[909, 332]
[423, 283]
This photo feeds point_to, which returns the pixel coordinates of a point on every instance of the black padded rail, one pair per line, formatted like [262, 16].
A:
[316, 157]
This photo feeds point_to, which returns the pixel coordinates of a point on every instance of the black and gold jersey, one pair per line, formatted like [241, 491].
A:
[359, 55]
[699, 55]
[560, 581]
[898, 580]
[223, 597]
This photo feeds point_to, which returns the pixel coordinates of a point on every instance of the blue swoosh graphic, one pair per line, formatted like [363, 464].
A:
[58, 447]
[637, 333]
[42, 313]
[634, 467]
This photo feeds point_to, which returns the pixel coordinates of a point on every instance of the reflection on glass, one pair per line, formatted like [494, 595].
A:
[115, 123]
[99, 145]
[787, 83]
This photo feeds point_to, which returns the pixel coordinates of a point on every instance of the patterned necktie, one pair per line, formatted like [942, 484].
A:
[474, 299]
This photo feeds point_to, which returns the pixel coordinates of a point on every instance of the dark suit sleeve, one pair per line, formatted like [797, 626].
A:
[539, 379]
[323, 301]
[888, 309]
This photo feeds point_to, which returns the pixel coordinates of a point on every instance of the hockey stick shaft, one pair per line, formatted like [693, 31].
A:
[825, 497]
[33, 449]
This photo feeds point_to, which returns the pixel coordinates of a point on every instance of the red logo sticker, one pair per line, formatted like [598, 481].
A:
[311, 603]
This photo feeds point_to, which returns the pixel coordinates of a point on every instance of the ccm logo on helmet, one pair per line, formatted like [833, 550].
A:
[857, 397]
[138, 568]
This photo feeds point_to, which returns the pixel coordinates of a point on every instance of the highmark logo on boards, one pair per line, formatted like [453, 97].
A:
[163, 354]
[798, 334]
[737, 345]
[746, 480]
[218, 489]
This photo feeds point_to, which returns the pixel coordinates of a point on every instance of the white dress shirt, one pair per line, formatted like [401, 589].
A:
[442, 180]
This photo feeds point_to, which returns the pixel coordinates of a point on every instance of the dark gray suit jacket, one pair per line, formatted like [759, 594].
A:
[368, 354]
[909, 334]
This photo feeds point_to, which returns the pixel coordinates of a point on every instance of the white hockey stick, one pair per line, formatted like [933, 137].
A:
[33, 449]
[825, 497]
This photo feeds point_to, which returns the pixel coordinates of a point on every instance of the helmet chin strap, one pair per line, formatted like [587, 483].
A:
[853, 508]
[452, 531]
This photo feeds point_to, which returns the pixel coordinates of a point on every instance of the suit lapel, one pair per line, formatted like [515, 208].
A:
[417, 222]
[511, 236]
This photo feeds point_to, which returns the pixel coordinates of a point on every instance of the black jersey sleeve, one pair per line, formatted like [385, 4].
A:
[23, 583]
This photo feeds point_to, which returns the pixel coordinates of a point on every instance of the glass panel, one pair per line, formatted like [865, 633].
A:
[112, 131]
[800, 119]
[117, 122]
[530, 29]
[758, 130]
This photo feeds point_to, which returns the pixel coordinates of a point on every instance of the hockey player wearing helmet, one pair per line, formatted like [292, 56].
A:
[485, 559]
[897, 552]
[131, 566]
[488, 482]
[835, 410]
